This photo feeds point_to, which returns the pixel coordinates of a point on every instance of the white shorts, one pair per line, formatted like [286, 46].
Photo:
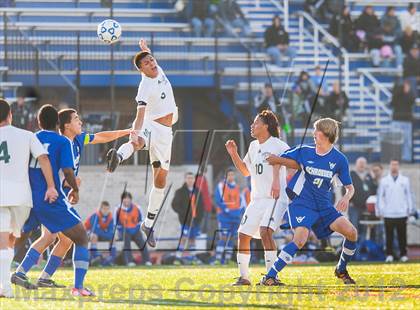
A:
[158, 140]
[12, 219]
[260, 213]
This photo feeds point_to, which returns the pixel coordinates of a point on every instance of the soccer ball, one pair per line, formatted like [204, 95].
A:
[109, 31]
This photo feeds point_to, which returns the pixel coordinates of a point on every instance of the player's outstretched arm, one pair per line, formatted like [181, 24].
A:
[143, 46]
[232, 149]
[51, 194]
[287, 162]
[109, 136]
[71, 180]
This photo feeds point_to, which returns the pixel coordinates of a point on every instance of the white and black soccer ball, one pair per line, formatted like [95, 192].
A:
[109, 31]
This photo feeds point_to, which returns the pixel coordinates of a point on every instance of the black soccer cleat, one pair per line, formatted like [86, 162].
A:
[241, 281]
[149, 235]
[344, 276]
[113, 159]
[22, 280]
[49, 283]
[269, 281]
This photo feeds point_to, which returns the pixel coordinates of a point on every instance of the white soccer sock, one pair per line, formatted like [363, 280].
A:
[243, 264]
[126, 150]
[5, 265]
[270, 258]
[155, 201]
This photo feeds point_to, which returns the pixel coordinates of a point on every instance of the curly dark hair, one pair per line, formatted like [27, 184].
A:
[270, 119]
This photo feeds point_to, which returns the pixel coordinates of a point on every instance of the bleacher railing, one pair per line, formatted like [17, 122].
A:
[322, 37]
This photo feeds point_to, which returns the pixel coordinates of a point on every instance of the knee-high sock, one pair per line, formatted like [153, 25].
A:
[81, 264]
[31, 258]
[126, 150]
[349, 248]
[155, 202]
[220, 247]
[243, 264]
[6, 257]
[51, 267]
[229, 251]
[270, 258]
[285, 257]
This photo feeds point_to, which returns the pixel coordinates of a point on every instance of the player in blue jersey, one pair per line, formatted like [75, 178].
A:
[58, 216]
[310, 191]
[71, 129]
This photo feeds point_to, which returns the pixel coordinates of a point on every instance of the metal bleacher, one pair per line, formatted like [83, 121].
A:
[62, 35]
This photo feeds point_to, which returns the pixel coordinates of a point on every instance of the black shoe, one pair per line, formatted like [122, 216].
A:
[22, 280]
[344, 276]
[241, 281]
[113, 159]
[149, 235]
[268, 281]
[49, 283]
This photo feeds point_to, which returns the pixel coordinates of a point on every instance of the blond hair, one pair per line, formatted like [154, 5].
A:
[329, 127]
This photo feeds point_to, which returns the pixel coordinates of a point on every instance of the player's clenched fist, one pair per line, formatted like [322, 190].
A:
[231, 147]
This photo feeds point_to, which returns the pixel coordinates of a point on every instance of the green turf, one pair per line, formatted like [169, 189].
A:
[394, 286]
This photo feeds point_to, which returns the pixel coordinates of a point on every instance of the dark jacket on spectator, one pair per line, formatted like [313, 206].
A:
[367, 22]
[407, 42]
[334, 102]
[391, 26]
[402, 103]
[411, 66]
[229, 10]
[361, 190]
[375, 39]
[183, 202]
[274, 36]
[200, 9]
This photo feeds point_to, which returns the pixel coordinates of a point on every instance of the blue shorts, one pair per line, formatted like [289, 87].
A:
[191, 231]
[56, 217]
[302, 215]
[229, 225]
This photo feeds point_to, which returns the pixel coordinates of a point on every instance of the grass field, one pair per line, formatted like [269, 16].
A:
[395, 286]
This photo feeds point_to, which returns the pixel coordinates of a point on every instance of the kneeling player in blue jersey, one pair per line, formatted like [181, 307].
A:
[311, 195]
[58, 216]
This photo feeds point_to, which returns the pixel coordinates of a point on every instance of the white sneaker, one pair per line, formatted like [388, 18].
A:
[389, 259]
[148, 263]
[404, 259]
[131, 264]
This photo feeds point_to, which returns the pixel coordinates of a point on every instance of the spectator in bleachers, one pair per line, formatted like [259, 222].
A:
[391, 28]
[337, 103]
[348, 39]
[128, 218]
[402, 103]
[374, 177]
[303, 92]
[100, 227]
[201, 20]
[408, 39]
[277, 43]
[188, 205]
[410, 18]
[203, 187]
[366, 23]
[266, 100]
[323, 10]
[378, 50]
[233, 17]
[411, 69]
[357, 207]
[316, 80]
[394, 205]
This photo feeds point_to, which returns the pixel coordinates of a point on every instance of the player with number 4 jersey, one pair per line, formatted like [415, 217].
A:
[268, 196]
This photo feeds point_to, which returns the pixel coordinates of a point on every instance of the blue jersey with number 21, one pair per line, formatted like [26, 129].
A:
[313, 183]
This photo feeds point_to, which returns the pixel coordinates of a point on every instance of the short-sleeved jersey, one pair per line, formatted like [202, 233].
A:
[261, 172]
[60, 155]
[313, 182]
[78, 145]
[157, 96]
[16, 147]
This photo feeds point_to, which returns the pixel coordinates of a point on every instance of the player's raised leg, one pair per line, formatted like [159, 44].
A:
[343, 226]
